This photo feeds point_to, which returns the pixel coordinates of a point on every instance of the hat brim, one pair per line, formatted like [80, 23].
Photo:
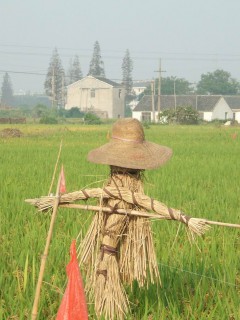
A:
[146, 155]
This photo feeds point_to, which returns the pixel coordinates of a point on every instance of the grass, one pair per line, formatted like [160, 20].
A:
[199, 281]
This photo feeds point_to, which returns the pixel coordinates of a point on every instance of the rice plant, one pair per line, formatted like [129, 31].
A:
[200, 280]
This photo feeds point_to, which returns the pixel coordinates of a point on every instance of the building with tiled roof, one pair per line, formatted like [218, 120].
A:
[209, 107]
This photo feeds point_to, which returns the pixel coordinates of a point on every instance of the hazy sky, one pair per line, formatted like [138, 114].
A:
[191, 37]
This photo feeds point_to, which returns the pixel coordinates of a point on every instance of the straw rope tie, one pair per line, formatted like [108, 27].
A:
[113, 208]
[171, 214]
[85, 194]
[108, 250]
[102, 272]
[180, 217]
[134, 199]
[184, 218]
[109, 193]
[152, 204]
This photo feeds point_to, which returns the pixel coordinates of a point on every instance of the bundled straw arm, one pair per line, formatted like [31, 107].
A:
[195, 225]
[198, 226]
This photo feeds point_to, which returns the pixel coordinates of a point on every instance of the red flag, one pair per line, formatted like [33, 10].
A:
[62, 188]
[73, 305]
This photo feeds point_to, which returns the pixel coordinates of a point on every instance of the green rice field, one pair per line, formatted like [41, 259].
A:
[200, 280]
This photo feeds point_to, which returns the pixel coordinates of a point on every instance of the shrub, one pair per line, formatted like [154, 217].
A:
[74, 112]
[91, 118]
[182, 115]
[48, 120]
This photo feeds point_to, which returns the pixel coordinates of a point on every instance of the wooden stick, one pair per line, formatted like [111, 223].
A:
[55, 168]
[109, 210]
[139, 213]
[224, 224]
[45, 253]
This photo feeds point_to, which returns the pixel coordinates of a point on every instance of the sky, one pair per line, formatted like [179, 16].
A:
[190, 37]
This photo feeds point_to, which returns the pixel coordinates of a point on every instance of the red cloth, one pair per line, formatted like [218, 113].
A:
[73, 305]
[62, 188]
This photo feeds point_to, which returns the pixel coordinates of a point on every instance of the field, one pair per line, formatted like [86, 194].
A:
[199, 280]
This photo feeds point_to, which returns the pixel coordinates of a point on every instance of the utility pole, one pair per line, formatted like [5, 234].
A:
[153, 96]
[159, 87]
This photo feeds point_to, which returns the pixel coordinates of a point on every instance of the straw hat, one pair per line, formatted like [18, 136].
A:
[129, 149]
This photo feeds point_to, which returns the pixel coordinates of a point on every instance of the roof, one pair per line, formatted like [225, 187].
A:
[141, 84]
[110, 82]
[233, 101]
[201, 103]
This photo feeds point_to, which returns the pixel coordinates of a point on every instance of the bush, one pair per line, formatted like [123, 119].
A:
[91, 118]
[48, 120]
[182, 115]
[74, 112]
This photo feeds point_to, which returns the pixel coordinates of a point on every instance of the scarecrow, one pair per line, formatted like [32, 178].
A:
[118, 247]
[123, 243]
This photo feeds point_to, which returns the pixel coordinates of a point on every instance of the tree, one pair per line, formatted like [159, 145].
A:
[40, 110]
[127, 68]
[7, 91]
[55, 80]
[218, 82]
[75, 72]
[171, 86]
[96, 67]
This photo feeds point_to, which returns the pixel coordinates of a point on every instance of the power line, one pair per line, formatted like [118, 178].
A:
[136, 51]
[66, 76]
[166, 58]
[23, 72]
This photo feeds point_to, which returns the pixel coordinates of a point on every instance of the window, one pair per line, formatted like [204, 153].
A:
[92, 93]
[226, 115]
[119, 93]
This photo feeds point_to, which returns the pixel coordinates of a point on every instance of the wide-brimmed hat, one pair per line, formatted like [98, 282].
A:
[129, 149]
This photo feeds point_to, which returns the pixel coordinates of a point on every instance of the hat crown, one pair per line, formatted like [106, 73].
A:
[128, 130]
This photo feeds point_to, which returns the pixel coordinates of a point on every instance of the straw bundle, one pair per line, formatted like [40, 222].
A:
[126, 248]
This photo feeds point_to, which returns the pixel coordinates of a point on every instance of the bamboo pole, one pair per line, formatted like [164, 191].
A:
[223, 224]
[55, 168]
[109, 210]
[139, 214]
[45, 253]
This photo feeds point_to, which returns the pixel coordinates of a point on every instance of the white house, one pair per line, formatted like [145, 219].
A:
[96, 94]
[234, 104]
[209, 107]
[139, 87]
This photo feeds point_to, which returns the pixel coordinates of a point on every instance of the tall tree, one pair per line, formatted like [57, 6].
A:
[96, 67]
[55, 80]
[218, 82]
[127, 68]
[75, 72]
[7, 91]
